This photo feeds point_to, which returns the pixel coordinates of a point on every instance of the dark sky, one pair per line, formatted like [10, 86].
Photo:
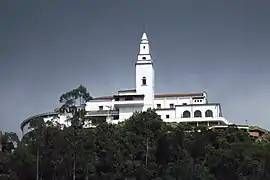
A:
[49, 47]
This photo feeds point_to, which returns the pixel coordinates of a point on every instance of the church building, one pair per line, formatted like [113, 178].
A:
[192, 108]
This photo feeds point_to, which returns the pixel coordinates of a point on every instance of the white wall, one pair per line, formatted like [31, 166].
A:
[199, 101]
[144, 48]
[128, 92]
[169, 101]
[199, 120]
[144, 57]
[165, 102]
[186, 100]
[126, 112]
[94, 105]
[214, 107]
[147, 71]
[163, 113]
[159, 101]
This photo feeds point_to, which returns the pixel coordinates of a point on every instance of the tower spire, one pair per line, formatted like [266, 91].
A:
[144, 53]
[144, 38]
[145, 74]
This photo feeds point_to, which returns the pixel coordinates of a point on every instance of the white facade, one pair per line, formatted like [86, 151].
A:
[145, 74]
[189, 108]
[192, 108]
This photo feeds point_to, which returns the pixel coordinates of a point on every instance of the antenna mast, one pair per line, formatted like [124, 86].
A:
[144, 17]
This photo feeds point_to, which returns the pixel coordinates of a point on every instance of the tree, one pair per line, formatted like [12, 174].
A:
[72, 97]
[73, 102]
[77, 119]
[9, 141]
[142, 147]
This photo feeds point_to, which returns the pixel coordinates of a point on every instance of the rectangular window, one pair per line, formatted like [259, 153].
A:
[144, 81]
[167, 116]
[100, 107]
[171, 106]
[158, 106]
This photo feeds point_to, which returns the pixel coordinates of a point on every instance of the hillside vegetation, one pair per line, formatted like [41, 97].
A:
[141, 148]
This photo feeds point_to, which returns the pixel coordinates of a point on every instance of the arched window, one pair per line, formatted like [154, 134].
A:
[143, 81]
[186, 114]
[197, 113]
[144, 58]
[208, 113]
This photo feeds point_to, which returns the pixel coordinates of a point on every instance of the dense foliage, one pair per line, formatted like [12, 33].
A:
[141, 148]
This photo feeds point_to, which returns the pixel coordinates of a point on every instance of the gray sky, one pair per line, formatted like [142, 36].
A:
[49, 47]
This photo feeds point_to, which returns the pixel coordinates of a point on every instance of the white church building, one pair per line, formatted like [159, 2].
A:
[192, 108]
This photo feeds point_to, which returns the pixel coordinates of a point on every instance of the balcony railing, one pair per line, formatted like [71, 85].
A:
[103, 113]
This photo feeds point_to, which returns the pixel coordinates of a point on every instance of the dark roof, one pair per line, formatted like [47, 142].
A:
[256, 128]
[157, 96]
[128, 95]
[207, 104]
[164, 109]
[178, 95]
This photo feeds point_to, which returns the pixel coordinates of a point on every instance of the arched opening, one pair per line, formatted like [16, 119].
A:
[197, 113]
[143, 81]
[208, 113]
[144, 58]
[186, 114]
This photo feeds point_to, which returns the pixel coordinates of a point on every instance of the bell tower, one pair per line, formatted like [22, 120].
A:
[145, 75]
